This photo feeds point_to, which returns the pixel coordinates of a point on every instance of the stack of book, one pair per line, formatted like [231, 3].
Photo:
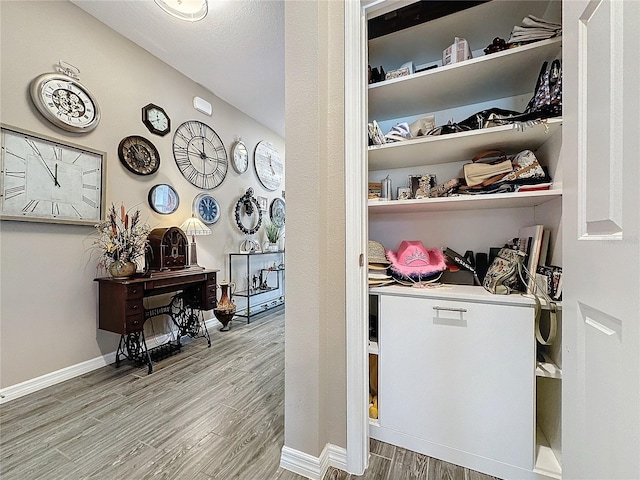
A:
[534, 29]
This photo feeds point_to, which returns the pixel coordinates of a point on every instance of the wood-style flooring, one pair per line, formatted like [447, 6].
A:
[204, 413]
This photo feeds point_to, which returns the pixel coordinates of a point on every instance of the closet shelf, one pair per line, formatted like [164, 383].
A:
[465, 202]
[503, 74]
[462, 146]
[546, 461]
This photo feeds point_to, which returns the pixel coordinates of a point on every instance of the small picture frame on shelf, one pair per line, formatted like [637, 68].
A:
[263, 202]
[421, 184]
[404, 193]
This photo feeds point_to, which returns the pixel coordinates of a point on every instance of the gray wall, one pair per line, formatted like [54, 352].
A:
[48, 298]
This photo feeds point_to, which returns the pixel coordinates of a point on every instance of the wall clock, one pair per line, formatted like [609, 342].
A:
[248, 214]
[277, 212]
[200, 154]
[43, 180]
[156, 119]
[64, 101]
[240, 157]
[269, 167]
[163, 199]
[206, 208]
[139, 155]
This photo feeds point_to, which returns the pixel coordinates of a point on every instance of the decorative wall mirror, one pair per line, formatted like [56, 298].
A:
[163, 199]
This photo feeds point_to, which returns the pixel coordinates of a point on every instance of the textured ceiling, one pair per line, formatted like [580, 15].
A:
[236, 51]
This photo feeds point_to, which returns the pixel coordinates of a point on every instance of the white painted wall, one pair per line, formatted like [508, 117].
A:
[315, 350]
[48, 298]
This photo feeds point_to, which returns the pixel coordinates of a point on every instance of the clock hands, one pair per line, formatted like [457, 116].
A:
[36, 150]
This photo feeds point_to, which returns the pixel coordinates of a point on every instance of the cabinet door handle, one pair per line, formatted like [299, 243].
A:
[451, 309]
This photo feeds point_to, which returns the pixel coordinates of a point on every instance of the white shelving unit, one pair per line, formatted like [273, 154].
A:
[494, 77]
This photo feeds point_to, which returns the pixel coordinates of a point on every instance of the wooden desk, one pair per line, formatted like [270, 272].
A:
[122, 311]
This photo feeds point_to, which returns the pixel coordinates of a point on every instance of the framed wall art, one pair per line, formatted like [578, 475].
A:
[46, 180]
[263, 202]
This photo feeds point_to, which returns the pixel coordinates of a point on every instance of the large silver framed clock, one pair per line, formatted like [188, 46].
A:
[64, 101]
[45, 180]
[268, 164]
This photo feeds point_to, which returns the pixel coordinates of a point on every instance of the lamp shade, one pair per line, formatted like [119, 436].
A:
[190, 10]
[193, 226]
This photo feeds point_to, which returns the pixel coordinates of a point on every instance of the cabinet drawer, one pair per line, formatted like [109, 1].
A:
[134, 323]
[134, 307]
[459, 374]
[134, 291]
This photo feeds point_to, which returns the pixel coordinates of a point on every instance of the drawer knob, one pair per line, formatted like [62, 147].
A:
[134, 307]
[451, 309]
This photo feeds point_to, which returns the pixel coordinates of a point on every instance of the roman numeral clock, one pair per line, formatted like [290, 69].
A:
[43, 180]
[200, 154]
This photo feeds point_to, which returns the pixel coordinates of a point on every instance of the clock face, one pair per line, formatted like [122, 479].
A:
[65, 102]
[139, 155]
[240, 157]
[269, 167]
[156, 119]
[200, 154]
[277, 212]
[207, 209]
[46, 181]
[248, 214]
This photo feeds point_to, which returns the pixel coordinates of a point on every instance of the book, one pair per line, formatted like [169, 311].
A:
[549, 279]
[530, 242]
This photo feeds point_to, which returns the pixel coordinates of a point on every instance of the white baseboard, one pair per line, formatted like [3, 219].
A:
[53, 378]
[30, 386]
[313, 467]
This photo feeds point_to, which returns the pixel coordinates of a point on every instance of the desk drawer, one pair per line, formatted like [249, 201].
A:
[134, 307]
[134, 291]
[134, 323]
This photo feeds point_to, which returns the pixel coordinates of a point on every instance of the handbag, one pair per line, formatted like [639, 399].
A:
[525, 165]
[487, 168]
[503, 275]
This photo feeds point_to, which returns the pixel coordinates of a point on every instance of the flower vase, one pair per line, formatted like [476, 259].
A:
[225, 309]
[120, 269]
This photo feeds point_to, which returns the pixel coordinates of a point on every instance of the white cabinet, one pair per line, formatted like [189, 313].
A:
[461, 374]
[465, 386]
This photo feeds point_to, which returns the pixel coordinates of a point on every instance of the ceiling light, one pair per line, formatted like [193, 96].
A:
[190, 10]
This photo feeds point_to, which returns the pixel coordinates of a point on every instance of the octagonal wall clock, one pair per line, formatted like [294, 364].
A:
[156, 119]
[269, 165]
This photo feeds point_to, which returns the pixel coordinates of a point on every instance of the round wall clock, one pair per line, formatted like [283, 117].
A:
[163, 199]
[206, 207]
[156, 119]
[240, 157]
[65, 102]
[277, 212]
[200, 154]
[139, 155]
[248, 214]
[269, 167]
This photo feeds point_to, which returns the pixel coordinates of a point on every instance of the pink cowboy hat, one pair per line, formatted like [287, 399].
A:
[413, 260]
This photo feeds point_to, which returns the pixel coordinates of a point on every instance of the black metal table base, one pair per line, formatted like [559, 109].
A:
[188, 320]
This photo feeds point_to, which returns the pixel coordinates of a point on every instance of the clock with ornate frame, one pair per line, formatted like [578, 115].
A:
[45, 180]
[240, 157]
[64, 101]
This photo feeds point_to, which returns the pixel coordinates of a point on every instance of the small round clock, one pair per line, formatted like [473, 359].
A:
[139, 155]
[200, 154]
[269, 167]
[163, 199]
[156, 119]
[65, 102]
[240, 157]
[206, 207]
[277, 212]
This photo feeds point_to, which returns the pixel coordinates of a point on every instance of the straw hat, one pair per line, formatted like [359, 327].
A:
[376, 253]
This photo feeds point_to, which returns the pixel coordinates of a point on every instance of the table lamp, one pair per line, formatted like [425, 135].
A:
[193, 226]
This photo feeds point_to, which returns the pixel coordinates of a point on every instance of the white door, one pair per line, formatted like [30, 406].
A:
[601, 250]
